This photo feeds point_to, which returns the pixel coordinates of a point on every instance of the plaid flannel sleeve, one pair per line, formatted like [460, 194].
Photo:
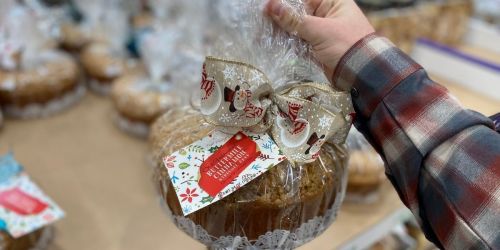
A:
[443, 160]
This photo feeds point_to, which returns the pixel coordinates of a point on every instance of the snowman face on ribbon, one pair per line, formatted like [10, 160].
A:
[293, 133]
[315, 142]
[238, 98]
[210, 94]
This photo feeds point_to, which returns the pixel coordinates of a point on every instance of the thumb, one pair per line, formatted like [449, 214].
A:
[292, 22]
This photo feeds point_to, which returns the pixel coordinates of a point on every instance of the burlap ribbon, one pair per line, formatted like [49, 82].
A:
[300, 117]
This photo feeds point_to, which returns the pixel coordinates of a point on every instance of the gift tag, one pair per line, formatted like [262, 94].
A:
[219, 164]
[24, 208]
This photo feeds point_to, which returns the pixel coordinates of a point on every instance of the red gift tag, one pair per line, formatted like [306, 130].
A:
[21, 203]
[222, 167]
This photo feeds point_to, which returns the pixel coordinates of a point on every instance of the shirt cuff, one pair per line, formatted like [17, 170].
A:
[373, 66]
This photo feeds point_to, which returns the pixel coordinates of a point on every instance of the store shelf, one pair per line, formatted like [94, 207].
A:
[378, 231]
[483, 35]
[358, 220]
[470, 99]
[480, 52]
[467, 68]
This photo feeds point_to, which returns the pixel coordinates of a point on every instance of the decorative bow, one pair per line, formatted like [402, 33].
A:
[300, 117]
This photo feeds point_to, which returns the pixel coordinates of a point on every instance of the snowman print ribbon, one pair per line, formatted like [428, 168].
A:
[300, 117]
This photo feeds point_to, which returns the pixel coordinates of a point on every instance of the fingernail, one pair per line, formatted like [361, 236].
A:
[276, 8]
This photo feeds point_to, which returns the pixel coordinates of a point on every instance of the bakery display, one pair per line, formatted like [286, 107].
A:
[366, 170]
[171, 51]
[75, 29]
[84, 20]
[104, 64]
[451, 22]
[105, 57]
[47, 87]
[139, 101]
[442, 21]
[36, 79]
[72, 38]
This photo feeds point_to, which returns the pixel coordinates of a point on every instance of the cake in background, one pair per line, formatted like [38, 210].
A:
[36, 79]
[171, 50]
[105, 57]
[442, 21]
[366, 170]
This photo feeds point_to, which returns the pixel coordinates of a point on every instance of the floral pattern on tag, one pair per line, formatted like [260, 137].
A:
[184, 168]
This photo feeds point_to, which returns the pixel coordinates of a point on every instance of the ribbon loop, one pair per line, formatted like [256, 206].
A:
[300, 118]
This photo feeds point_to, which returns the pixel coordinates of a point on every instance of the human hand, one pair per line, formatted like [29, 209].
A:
[332, 27]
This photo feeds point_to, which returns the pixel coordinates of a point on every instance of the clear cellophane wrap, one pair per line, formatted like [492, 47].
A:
[186, 23]
[105, 22]
[36, 79]
[290, 204]
[174, 48]
[172, 53]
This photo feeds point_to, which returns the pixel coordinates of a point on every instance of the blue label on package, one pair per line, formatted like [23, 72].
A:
[9, 167]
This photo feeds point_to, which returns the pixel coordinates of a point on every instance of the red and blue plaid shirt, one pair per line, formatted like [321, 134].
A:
[443, 160]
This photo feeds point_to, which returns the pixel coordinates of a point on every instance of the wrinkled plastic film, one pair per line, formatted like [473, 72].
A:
[249, 36]
[174, 46]
[183, 27]
[105, 21]
[20, 34]
[36, 80]
[60, 88]
[157, 49]
[112, 28]
[172, 52]
[105, 29]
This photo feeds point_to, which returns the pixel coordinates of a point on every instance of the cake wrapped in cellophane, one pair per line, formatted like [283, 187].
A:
[36, 79]
[171, 51]
[259, 161]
